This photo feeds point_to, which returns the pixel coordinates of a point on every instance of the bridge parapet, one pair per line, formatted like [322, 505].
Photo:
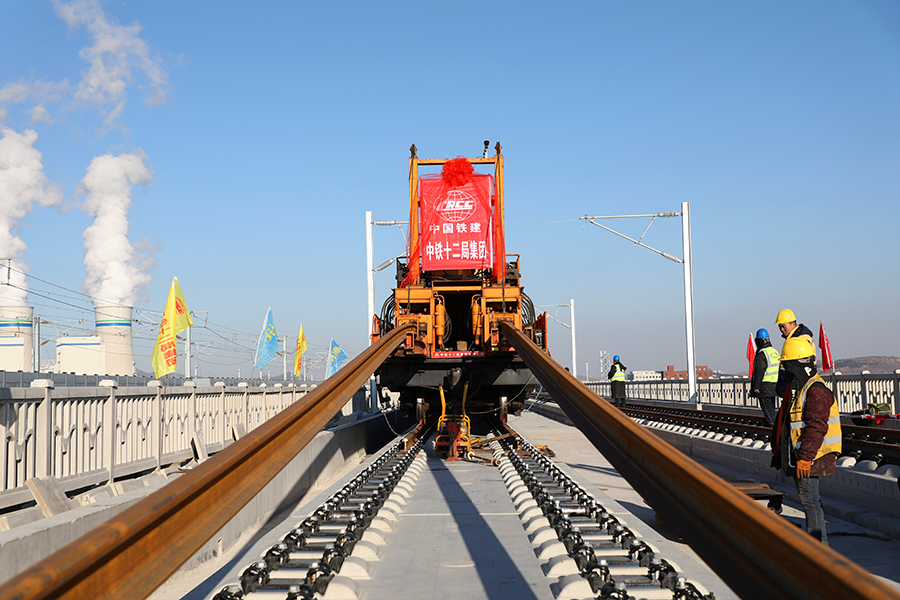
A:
[86, 436]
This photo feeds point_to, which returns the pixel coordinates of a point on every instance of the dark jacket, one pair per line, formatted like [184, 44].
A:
[815, 417]
[612, 369]
[758, 388]
[617, 387]
[784, 380]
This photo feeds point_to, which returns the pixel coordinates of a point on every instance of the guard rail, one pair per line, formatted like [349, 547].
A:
[853, 392]
[63, 432]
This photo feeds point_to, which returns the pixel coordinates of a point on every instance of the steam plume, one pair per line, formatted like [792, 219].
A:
[116, 273]
[42, 92]
[117, 50]
[22, 181]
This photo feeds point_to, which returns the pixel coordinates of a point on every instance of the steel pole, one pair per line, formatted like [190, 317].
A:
[36, 344]
[689, 299]
[574, 353]
[370, 272]
[370, 284]
[187, 354]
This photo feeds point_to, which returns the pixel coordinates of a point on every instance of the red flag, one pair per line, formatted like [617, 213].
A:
[751, 353]
[827, 362]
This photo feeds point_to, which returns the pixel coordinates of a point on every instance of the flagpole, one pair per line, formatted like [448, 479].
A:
[162, 417]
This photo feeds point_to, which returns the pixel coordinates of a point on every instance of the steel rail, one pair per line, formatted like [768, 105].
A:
[696, 419]
[709, 413]
[130, 555]
[758, 554]
[870, 441]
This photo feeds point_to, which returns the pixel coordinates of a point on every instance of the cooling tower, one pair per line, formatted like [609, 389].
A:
[114, 331]
[16, 338]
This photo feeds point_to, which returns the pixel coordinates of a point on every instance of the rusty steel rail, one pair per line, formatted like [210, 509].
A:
[758, 554]
[132, 554]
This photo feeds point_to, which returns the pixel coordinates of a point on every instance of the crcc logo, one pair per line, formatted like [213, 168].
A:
[455, 206]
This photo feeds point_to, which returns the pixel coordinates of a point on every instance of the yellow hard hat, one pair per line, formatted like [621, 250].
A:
[785, 316]
[798, 347]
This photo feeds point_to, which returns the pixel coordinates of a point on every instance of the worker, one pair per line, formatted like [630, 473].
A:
[806, 440]
[617, 376]
[787, 325]
[765, 373]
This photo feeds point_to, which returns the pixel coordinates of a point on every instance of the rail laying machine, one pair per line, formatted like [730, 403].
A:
[456, 285]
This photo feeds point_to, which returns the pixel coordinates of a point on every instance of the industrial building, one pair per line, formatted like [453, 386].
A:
[108, 352]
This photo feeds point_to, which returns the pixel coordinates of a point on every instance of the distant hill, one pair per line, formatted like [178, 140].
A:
[853, 366]
[873, 364]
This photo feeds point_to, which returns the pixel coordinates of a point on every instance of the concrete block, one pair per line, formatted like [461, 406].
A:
[199, 446]
[392, 506]
[374, 537]
[889, 470]
[571, 587]
[49, 495]
[526, 505]
[387, 514]
[366, 551]
[530, 512]
[550, 549]
[381, 525]
[343, 588]
[129, 485]
[561, 566]
[846, 461]
[542, 534]
[356, 567]
[21, 517]
[92, 496]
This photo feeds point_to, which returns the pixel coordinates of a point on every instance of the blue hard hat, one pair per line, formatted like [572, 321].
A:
[616, 357]
[761, 333]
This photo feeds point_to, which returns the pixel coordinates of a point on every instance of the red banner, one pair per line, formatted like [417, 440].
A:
[827, 362]
[751, 354]
[456, 223]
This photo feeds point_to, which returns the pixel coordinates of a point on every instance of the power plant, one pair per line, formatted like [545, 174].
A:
[16, 338]
[108, 352]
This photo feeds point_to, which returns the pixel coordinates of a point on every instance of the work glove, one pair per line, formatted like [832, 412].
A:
[803, 469]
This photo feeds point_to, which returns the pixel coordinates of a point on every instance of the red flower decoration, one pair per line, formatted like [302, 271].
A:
[457, 172]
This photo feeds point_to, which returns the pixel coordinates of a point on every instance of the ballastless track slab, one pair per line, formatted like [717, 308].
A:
[468, 529]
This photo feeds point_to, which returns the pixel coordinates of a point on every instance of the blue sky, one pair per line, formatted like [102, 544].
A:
[267, 130]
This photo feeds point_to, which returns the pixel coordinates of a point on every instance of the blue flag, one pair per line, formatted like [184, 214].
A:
[336, 358]
[268, 342]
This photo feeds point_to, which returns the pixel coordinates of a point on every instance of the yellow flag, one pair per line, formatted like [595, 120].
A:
[301, 348]
[176, 318]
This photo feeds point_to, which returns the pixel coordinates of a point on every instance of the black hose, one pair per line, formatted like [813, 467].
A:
[527, 311]
[387, 314]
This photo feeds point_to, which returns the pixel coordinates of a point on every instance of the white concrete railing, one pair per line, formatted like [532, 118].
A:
[64, 433]
[853, 392]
